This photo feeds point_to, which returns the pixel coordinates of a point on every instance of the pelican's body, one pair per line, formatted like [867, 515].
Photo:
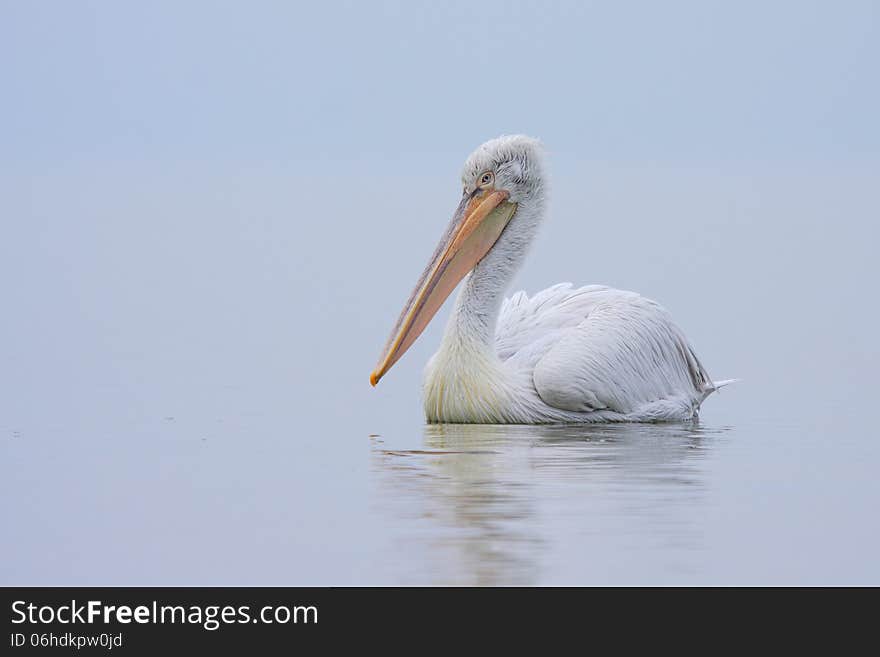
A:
[589, 354]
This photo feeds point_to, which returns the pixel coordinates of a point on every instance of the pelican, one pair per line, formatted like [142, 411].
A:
[566, 354]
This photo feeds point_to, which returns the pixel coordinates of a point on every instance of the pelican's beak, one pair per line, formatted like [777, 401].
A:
[475, 227]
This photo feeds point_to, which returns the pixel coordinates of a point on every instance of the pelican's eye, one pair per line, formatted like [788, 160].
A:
[486, 179]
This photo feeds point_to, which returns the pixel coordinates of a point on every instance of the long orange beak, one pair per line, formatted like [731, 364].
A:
[475, 227]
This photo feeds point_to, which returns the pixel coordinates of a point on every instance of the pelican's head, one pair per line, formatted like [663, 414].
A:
[515, 162]
[501, 179]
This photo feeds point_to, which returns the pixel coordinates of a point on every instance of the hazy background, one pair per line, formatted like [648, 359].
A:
[212, 213]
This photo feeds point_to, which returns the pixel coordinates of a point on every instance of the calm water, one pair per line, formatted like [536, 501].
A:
[659, 504]
[184, 397]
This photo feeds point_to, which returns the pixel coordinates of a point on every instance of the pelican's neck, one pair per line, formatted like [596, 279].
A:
[475, 313]
[472, 323]
[465, 381]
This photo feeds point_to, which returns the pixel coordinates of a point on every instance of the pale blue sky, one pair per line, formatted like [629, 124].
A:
[313, 83]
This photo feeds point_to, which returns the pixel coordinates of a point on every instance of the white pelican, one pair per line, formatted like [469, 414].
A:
[589, 354]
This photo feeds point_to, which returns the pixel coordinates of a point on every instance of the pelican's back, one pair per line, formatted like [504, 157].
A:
[597, 351]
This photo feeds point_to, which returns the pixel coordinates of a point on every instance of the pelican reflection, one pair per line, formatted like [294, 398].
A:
[499, 504]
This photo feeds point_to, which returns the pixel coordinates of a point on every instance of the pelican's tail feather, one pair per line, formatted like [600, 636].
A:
[712, 386]
[715, 385]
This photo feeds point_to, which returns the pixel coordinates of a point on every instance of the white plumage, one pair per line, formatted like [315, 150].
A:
[566, 354]
[589, 354]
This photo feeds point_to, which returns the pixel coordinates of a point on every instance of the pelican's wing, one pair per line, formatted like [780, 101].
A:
[598, 348]
[527, 326]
